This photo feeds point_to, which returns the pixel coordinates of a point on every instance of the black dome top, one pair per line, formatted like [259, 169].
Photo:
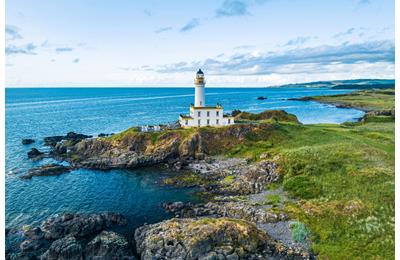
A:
[200, 72]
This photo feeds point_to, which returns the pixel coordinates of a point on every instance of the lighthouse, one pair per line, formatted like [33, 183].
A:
[200, 114]
[199, 84]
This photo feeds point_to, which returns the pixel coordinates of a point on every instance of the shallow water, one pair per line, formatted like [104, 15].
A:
[36, 113]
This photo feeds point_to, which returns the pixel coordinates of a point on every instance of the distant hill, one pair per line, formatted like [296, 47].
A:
[347, 84]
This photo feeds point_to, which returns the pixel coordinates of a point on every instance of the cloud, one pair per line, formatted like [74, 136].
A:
[306, 60]
[243, 47]
[75, 60]
[233, 8]
[163, 29]
[298, 41]
[25, 49]
[349, 31]
[190, 25]
[63, 49]
[12, 33]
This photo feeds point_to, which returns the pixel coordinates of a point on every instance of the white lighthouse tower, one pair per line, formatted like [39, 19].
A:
[199, 84]
[200, 114]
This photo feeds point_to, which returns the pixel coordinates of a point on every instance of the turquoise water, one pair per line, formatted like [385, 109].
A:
[38, 112]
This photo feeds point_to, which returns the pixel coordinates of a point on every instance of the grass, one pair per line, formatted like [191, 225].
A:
[342, 177]
[366, 99]
[273, 199]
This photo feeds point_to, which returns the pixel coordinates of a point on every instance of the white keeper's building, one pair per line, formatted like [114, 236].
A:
[200, 114]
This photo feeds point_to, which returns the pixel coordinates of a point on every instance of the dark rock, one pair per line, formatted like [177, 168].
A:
[31, 245]
[59, 148]
[261, 98]
[35, 153]
[34, 233]
[46, 170]
[80, 225]
[72, 137]
[28, 141]
[66, 248]
[108, 245]
[52, 140]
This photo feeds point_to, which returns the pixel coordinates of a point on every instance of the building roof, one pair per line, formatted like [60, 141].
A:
[200, 72]
[185, 116]
[209, 108]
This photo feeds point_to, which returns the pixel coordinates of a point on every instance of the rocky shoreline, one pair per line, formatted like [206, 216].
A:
[230, 225]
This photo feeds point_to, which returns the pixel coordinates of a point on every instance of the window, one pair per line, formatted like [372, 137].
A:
[217, 113]
[217, 121]
[186, 122]
[208, 113]
[229, 121]
[199, 113]
[208, 121]
[198, 122]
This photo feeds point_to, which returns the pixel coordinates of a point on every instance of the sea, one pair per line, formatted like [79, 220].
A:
[39, 112]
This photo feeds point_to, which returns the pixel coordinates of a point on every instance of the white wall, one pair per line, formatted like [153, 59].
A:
[207, 117]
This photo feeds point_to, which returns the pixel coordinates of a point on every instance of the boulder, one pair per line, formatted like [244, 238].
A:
[46, 170]
[66, 248]
[27, 141]
[34, 153]
[210, 238]
[108, 245]
[200, 239]
[31, 245]
[80, 225]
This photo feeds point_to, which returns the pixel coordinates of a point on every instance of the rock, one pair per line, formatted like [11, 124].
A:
[108, 245]
[261, 98]
[52, 140]
[34, 153]
[27, 141]
[59, 148]
[66, 248]
[237, 210]
[46, 170]
[34, 233]
[209, 238]
[80, 225]
[72, 137]
[30, 245]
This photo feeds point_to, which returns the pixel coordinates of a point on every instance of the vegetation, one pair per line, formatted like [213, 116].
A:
[366, 99]
[271, 115]
[299, 232]
[341, 175]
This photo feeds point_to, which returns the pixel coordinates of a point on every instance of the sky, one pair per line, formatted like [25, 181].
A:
[85, 43]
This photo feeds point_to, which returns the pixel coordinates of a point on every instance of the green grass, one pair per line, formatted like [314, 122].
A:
[366, 99]
[342, 177]
[273, 199]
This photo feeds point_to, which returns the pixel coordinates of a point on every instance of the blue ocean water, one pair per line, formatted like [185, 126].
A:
[39, 112]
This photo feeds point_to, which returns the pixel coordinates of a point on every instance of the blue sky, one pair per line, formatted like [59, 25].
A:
[162, 43]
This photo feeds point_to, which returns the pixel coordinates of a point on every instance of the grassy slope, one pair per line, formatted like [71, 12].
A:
[343, 176]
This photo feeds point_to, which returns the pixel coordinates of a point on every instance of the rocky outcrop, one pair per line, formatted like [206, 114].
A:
[209, 238]
[66, 248]
[35, 154]
[108, 245]
[237, 210]
[46, 170]
[79, 225]
[27, 141]
[72, 138]
[138, 149]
